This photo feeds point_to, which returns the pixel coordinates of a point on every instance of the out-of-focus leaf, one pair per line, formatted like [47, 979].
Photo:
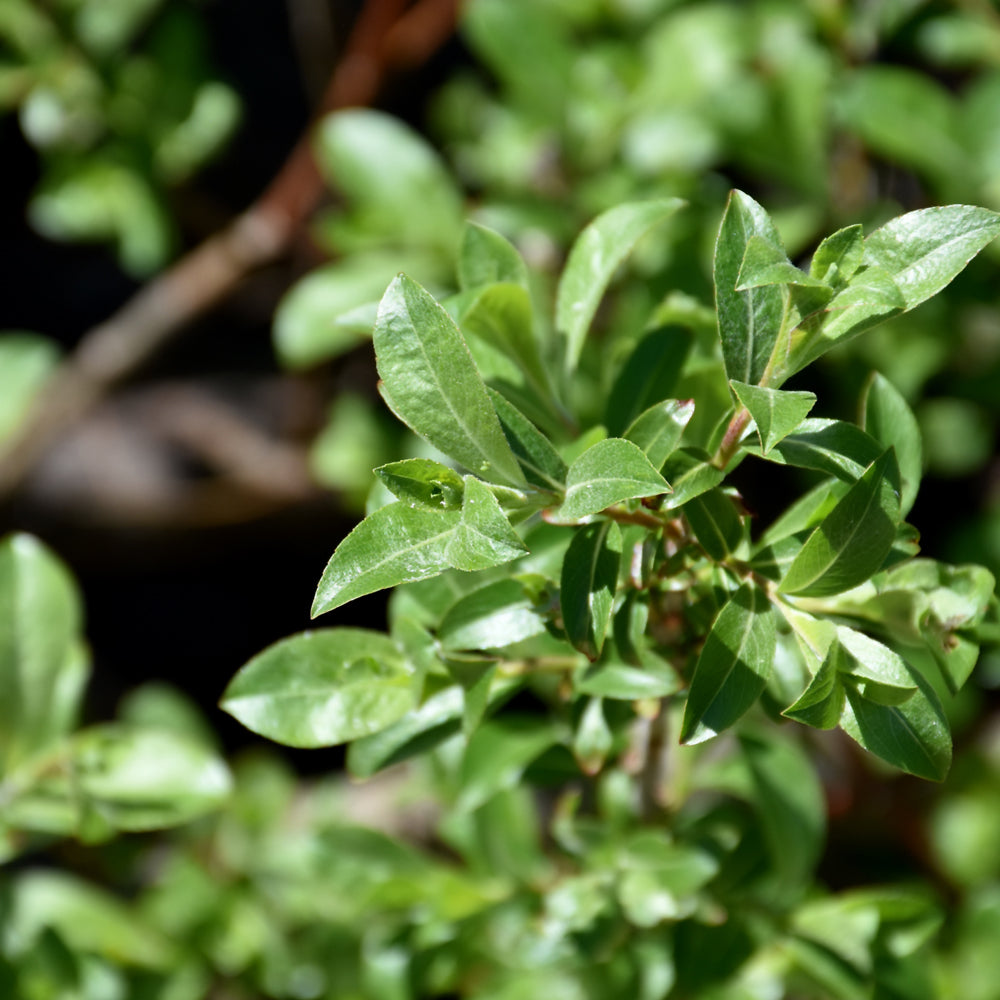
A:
[592, 262]
[589, 581]
[733, 667]
[322, 687]
[485, 258]
[26, 362]
[431, 383]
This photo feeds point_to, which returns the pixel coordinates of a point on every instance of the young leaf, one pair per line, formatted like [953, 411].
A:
[484, 537]
[924, 250]
[913, 736]
[592, 262]
[749, 321]
[648, 376]
[541, 463]
[431, 383]
[733, 667]
[394, 544]
[588, 584]
[765, 263]
[607, 473]
[485, 258]
[887, 418]
[775, 412]
[715, 523]
[838, 256]
[422, 482]
[657, 431]
[851, 542]
[322, 688]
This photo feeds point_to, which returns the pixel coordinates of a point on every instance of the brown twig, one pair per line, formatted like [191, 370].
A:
[208, 274]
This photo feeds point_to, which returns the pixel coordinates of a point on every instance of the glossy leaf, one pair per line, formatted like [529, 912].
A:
[485, 258]
[483, 537]
[43, 664]
[882, 676]
[715, 523]
[648, 376]
[851, 542]
[422, 482]
[588, 584]
[657, 430]
[542, 465]
[749, 321]
[838, 257]
[821, 704]
[431, 383]
[775, 412]
[924, 250]
[607, 473]
[592, 262]
[765, 263]
[834, 447]
[322, 688]
[691, 474]
[395, 544]
[887, 418]
[497, 615]
[733, 667]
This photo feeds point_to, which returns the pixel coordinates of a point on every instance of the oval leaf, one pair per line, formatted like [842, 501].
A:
[588, 584]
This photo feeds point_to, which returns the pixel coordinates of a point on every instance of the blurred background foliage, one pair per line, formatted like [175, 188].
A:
[196, 546]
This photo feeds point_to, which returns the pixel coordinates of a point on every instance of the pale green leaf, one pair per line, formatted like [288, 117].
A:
[485, 258]
[733, 667]
[484, 537]
[657, 430]
[838, 256]
[422, 482]
[765, 263]
[887, 418]
[26, 363]
[592, 262]
[322, 687]
[492, 617]
[775, 412]
[431, 383]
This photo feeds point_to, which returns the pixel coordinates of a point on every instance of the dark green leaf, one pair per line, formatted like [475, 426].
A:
[851, 542]
[422, 482]
[715, 523]
[492, 617]
[649, 375]
[484, 537]
[430, 382]
[806, 512]
[834, 447]
[592, 262]
[775, 412]
[542, 465]
[657, 431]
[749, 321]
[322, 688]
[838, 256]
[589, 581]
[733, 667]
[924, 250]
[607, 473]
[887, 418]
[485, 258]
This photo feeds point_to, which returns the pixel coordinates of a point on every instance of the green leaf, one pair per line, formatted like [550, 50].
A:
[609, 472]
[715, 523]
[43, 664]
[882, 676]
[924, 250]
[852, 541]
[498, 753]
[593, 739]
[821, 704]
[834, 447]
[648, 376]
[806, 512]
[749, 321]
[887, 418]
[422, 482]
[592, 262]
[322, 687]
[474, 675]
[484, 537]
[657, 431]
[838, 256]
[588, 585]
[913, 736]
[431, 383]
[765, 263]
[542, 465]
[399, 187]
[775, 412]
[733, 667]
[492, 617]
[691, 473]
[486, 258]
[26, 362]
[609, 678]
[394, 544]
